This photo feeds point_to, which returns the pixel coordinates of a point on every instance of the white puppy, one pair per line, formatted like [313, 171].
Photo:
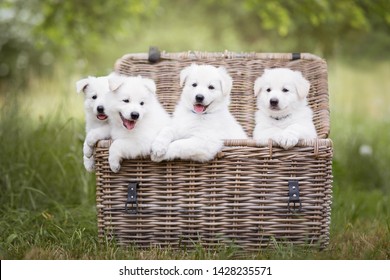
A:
[201, 120]
[95, 91]
[283, 114]
[136, 117]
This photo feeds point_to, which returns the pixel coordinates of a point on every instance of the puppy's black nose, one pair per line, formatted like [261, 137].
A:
[199, 98]
[134, 115]
[274, 102]
[100, 109]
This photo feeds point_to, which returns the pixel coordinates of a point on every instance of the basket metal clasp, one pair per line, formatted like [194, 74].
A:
[131, 205]
[293, 196]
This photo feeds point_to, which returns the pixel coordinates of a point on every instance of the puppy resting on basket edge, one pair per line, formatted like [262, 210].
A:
[283, 114]
[95, 91]
[136, 117]
[201, 120]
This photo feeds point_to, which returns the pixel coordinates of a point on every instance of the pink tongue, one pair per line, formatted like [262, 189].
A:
[129, 124]
[199, 108]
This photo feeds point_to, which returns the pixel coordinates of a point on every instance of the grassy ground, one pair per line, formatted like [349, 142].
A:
[47, 201]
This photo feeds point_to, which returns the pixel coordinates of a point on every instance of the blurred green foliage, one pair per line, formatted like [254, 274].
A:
[328, 26]
[36, 33]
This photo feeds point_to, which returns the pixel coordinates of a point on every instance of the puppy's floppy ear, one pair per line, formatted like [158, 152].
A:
[115, 81]
[302, 85]
[149, 84]
[185, 73]
[82, 85]
[260, 83]
[226, 82]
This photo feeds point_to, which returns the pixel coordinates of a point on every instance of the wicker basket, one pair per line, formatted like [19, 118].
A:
[253, 196]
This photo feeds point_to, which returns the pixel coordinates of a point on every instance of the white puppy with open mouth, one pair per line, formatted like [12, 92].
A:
[136, 117]
[201, 120]
[95, 91]
[283, 114]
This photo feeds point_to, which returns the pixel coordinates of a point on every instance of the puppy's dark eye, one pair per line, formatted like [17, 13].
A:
[94, 97]
[194, 85]
[211, 87]
[126, 100]
[285, 90]
[268, 90]
[142, 103]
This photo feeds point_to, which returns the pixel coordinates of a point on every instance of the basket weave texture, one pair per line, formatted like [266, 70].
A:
[240, 197]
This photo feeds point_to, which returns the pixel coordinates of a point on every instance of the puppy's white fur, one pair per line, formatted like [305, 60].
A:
[201, 120]
[136, 117]
[95, 91]
[283, 114]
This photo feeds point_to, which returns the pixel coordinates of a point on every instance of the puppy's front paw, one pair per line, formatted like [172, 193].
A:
[158, 156]
[287, 140]
[159, 149]
[89, 164]
[91, 142]
[115, 167]
[87, 150]
[115, 164]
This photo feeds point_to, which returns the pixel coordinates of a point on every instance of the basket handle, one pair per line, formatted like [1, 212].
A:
[154, 55]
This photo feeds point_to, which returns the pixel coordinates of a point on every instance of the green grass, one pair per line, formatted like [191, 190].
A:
[47, 201]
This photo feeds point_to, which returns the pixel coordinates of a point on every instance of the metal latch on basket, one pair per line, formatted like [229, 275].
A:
[131, 206]
[293, 196]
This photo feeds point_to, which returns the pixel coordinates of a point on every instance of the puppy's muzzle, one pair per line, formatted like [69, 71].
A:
[100, 113]
[100, 109]
[199, 106]
[134, 115]
[274, 103]
[129, 124]
[199, 98]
